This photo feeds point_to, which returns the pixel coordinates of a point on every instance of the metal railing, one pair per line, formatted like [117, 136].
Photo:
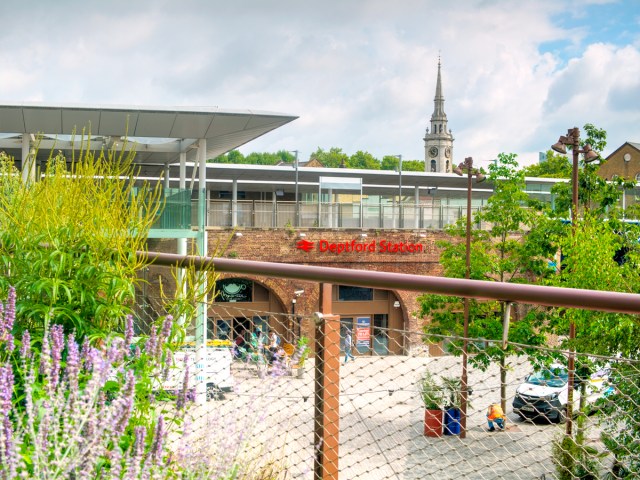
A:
[368, 423]
[266, 214]
[365, 418]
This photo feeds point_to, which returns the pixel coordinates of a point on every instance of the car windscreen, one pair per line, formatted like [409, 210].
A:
[555, 377]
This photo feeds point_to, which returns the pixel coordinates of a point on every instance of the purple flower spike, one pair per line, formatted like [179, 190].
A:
[7, 319]
[10, 313]
[158, 439]
[45, 356]
[3, 326]
[152, 342]
[182, 395]
[57, 344]
[73, 364]
[166, 327]
[6, 389]
[128, 331]
[25, 350]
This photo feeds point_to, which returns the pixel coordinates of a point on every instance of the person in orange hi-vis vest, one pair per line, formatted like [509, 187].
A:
[495, 414]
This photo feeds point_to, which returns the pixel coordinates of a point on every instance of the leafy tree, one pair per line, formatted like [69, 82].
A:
[68, 240]
[595, 137]
[234, 156]
[363, 160]
[502, 253]
[413, 166]
[390, 162]
[334, 158]
[599, 251]
[554, 166]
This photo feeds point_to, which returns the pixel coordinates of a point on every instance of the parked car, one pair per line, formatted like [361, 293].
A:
[544, 393]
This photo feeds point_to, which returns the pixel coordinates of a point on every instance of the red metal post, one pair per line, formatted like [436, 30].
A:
[465, 345]
[327, 389]
[571, 364]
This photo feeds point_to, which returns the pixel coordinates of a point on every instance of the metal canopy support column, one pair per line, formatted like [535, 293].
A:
[28, 160]
[201, 316]
[234, 203]
[166, 178]
[182, 242]
[416, 207]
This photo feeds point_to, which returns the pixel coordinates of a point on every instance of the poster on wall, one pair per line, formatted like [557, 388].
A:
[234, 290]
[363, 332]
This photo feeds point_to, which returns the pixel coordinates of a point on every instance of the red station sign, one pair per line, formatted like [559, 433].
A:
[373, 246]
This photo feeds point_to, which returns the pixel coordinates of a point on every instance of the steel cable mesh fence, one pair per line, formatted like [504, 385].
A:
[263, 427]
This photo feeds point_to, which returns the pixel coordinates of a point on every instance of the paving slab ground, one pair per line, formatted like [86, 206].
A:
[381, 424]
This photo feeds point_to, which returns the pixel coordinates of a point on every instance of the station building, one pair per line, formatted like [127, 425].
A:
[386, 221]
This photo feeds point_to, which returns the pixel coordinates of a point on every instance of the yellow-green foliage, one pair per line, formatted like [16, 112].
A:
[68, 238]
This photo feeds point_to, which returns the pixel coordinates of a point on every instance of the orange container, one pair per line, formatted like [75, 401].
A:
[433, 423]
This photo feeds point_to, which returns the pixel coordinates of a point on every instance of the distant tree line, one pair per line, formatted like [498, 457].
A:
[333, 158]
[554, 166]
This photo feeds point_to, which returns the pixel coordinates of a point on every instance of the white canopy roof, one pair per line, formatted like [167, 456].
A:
[159, 133]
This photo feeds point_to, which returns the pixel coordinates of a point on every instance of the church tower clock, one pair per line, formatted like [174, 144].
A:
[438, 140]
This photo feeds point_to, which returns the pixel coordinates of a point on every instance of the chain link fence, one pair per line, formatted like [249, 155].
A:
[260, 418]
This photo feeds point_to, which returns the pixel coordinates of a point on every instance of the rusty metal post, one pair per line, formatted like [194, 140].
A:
[327, 389]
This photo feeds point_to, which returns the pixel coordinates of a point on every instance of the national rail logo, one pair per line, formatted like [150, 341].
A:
[305, 245]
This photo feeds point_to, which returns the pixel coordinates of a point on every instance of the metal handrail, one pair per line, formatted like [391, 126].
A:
[480, 289]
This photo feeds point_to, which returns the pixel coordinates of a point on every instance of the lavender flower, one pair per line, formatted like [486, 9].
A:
[126, 405]
[137, 456]
[73, 367]
[84, 352]
[166, 328]
[116, 463]
[7, 318]
[57, 344]
[152, 343]
[70, 427]
[158, 439]
[115, 353]
[182, 396]
[6, 388]
[10, 317]
[45, 354]
[128, 331]
[25, 349]
[167, 366]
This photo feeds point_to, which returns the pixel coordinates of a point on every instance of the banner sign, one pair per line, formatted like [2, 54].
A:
[234, 290]
[363, 332]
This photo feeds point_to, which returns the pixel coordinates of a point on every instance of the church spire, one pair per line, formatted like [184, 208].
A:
[438, 110]
[438, 143]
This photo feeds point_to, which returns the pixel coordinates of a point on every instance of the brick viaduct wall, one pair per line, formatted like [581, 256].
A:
[280, 246]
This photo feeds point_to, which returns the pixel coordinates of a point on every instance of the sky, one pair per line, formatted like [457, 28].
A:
[360, 74]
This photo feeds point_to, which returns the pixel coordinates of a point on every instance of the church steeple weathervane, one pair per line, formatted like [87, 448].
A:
[438, 144]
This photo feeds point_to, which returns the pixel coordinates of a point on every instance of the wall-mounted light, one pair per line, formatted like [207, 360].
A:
[238, 234]
[363, 235]
[396, 304]
[422, 235]
[302, 235]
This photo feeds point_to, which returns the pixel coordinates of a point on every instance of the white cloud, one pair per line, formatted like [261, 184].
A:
[360, 74]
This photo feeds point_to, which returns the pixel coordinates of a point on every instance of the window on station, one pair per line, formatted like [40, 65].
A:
[348, 293]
